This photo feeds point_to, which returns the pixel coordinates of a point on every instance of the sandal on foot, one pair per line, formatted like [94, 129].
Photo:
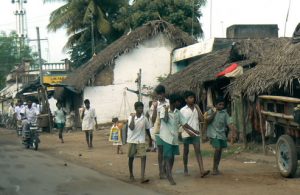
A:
[205, 173]
[145, 181]
[172, 182]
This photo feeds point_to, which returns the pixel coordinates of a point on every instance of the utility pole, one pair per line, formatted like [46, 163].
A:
[43, 91]
[210, 26]
[21, 23]
[40, 54]
[139, 85]
[286, 19]
[193, 18]
[92, 34]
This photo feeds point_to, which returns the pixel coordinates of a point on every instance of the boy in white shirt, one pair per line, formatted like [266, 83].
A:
[156, 107]
[193, 115]
[136, 137]
[60, 120]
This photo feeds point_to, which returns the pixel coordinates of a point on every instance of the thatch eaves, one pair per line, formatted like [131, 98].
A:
[278, 67]
[200, 71]
[81, 77]
[260, 52]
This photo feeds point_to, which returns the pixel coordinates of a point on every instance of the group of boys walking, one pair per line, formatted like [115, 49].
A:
[170, 125]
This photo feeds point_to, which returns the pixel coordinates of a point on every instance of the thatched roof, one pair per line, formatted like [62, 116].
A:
[80, 77]
[278, 66]
[200, 71]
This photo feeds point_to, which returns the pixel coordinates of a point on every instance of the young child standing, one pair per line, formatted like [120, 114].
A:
[193, 115]
[60, 119]
[171, 120]
[119, 126]
[136, 137]
[218, 119]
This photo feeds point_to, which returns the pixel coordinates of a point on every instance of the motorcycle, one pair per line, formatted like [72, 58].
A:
[31, 137]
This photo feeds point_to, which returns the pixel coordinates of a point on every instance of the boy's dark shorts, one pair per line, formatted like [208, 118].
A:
[60, 125]
[136, 150]
[191, 140]
[218, 143]
[158, 140]
[169, 150]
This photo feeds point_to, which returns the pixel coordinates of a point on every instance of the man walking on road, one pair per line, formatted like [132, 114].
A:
[89, 122]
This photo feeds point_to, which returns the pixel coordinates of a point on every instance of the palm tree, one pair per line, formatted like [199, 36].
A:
[85, 20]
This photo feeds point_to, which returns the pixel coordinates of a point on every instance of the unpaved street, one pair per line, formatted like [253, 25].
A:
[243, 172]
[24, 172]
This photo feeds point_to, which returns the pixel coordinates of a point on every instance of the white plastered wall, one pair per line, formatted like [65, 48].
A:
[152, 56]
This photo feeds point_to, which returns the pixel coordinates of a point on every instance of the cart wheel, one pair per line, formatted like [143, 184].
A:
[286, 156]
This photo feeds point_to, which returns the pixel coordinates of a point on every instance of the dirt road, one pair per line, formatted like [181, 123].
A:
[243, 173]
[24, 172]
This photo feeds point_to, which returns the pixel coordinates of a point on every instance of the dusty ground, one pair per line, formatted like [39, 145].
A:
[243, 172]
[26, 172]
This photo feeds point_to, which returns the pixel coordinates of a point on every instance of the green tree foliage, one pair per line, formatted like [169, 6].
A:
[12, 54]
[184, 14]
[111, 18]
[78, 16]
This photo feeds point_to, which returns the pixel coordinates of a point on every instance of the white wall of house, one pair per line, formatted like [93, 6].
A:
[152, 56]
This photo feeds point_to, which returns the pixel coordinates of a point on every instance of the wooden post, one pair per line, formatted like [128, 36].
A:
[139, 85]
[243, 123]
[261, 128]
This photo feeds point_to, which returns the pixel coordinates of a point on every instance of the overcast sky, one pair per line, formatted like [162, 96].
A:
[224, 14]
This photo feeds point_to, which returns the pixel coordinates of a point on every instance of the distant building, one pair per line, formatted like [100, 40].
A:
[24, 79]
[252, 31]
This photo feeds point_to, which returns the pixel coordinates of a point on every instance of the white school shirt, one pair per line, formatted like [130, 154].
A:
[159, 106]
[18, 110]
[138, 134]
[169, 130]
[30, 113]
[11, 111]
[60, 116]
[192, 118]
[88, 121]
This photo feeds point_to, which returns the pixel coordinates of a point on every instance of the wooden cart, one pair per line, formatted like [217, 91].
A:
[279, 111]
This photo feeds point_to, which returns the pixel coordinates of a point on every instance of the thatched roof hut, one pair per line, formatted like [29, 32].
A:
[85, 74]
[276, 61]
[203, 70]
[193, 77]
[278, 66]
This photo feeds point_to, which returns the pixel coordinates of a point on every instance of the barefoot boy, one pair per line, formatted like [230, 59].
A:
[156, 107]
[218, 119]
[193, 115]
[171, 119]
[60, 120]
[136, 135]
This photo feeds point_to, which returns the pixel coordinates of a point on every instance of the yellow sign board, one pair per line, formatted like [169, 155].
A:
[53, 79]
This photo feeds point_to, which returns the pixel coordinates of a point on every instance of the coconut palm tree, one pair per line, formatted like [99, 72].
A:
[86, 20]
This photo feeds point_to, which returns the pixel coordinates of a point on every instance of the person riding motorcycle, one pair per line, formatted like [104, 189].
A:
[29, 116]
